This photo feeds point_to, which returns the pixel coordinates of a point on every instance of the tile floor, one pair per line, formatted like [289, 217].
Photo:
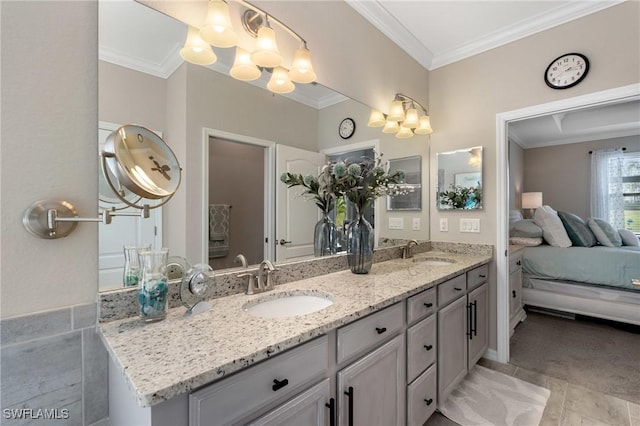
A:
[568, 404]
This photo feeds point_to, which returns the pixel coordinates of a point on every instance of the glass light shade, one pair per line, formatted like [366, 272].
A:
[390, 127]
[376, 119]
[531, 200]
[424, 128]
[266, 54]
[396, 111]
[280, 81]
[217, 29]
[196, 50]
[404, 133]
[411, 119]
[302, 70]
[243, 67]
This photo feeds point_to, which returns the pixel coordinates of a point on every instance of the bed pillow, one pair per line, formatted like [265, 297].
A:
[553, 230]
[579, 232]
[525, 228]
[605, 233]
[524, 241]
[628, 238]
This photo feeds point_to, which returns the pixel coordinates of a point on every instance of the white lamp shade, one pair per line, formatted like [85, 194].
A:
[424, 128]
[266, 54]
[391, 127]
[404, 133]
[376, 119]
[217, 29]
[531, 200]
[302, 70]
[196, 50]
[243, 67]
[411, 119]
[280, 81]
[396, 111]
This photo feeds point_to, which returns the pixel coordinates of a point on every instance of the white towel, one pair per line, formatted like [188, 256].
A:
[219, 230]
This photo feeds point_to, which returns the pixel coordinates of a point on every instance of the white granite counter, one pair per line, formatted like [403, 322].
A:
[164, 359]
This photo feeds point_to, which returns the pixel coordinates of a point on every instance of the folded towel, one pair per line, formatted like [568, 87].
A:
[219, 230]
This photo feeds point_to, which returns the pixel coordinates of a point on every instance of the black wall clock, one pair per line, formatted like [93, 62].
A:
[347, 128]
[566, 71]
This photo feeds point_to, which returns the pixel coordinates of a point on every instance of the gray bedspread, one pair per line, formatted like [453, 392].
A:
[611, 266]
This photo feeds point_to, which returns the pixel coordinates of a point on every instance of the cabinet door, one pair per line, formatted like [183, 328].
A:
[452, 347]
[371, 391]
[479, 336]
[306, 409]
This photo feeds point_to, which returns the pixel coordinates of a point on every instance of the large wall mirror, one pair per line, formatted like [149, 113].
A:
[233, 139]
[460, 179]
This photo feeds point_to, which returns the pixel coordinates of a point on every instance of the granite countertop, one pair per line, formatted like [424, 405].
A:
[162, 360]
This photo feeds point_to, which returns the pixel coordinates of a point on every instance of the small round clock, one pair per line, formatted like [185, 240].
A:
[566, 71]
[347, 128]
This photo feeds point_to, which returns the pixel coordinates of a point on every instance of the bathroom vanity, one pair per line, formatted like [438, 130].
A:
[374, 356]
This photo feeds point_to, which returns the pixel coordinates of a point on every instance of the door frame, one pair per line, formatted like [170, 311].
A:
[611, 96]
[269, 186]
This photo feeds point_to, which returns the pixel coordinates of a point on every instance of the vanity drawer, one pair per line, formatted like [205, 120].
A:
[451, 290]
[421, 397]
[421, 347]
[421, 305]
[368, 332]
[236, 397]
[477, 276]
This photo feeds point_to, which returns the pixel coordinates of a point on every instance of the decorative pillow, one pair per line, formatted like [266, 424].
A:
[526, 228]
[579, 232]
[553, 230]
[605, 233]
[628, 238]
[524, 241]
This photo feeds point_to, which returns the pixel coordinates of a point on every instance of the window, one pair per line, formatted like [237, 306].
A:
[631, 191]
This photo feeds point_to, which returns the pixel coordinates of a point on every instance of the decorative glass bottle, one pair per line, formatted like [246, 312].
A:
[325, 236]
[153, 289]
[360, 245]
[131, 274]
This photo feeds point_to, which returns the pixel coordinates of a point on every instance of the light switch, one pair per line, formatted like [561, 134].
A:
[444, 224]
[470, 225]
[416, 223]
[396, 223]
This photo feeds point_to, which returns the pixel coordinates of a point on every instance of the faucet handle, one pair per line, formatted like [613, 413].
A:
[251, 287]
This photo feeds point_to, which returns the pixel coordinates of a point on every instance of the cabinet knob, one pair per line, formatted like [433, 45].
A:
[279, 384]
[428, 305]
[381, 330]
[428, 347]
[519, 263]
[429, 401]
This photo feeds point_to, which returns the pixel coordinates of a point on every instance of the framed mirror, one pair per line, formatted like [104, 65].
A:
[460, 179]
[411, 197]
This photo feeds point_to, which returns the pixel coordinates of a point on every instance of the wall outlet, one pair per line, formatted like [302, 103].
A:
[416, 223]
[444, 224]
[396, 223]
[470, 225]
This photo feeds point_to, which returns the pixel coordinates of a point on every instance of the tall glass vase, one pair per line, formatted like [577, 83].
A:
[325, 237]
[153, 289]
[131, 272]
[360, 245]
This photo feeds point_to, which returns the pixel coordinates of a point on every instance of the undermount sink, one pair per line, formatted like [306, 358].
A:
[289, 304]
[433, 261]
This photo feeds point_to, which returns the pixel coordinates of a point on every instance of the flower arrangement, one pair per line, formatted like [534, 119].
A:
[461, 197]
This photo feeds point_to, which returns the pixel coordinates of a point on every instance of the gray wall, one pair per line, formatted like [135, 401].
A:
[516, 175]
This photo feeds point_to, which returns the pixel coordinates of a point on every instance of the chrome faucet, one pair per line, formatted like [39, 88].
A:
[241, 259]
[265, 267]
[407, 251]
[251, 284]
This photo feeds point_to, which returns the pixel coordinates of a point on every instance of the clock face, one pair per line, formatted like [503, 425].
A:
[566, 71]
[347, 127]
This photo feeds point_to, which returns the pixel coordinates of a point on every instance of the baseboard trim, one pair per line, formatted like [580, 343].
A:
[491, 354]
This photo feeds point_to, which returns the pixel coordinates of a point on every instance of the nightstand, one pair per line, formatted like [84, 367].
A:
[516, 310]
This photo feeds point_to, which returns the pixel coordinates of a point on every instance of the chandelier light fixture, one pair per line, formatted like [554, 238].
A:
[406, 117]
[218, 31]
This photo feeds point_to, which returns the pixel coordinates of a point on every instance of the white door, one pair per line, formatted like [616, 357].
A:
[296, 215]
[123, 230]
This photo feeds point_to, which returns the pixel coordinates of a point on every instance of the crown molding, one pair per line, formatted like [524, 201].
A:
[164, 69]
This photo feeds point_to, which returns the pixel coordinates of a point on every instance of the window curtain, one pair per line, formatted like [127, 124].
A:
[607, 200]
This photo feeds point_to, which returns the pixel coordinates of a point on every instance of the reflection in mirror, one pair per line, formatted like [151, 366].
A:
[460, 179]
[411, 196]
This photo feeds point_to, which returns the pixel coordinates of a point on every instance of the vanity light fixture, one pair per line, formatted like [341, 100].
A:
[404, 118]
[218, 31]
[196, 50]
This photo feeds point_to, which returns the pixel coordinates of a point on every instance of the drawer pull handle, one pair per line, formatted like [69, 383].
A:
[279, 384]
[482, 276]
[429, 401]
[428, 347]
[428, 305]
[349, 393]
[332, 411]
[457, 289]
[381, 330]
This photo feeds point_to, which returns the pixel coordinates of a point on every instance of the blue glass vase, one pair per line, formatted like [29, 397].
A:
[153, 290]
[325, 237]
[360, 245]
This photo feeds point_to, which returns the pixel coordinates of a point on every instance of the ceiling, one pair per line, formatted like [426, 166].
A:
[434, 32]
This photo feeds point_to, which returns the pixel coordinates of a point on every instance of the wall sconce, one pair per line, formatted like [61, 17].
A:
[218, 31]
[531, 201]
[403, 119]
